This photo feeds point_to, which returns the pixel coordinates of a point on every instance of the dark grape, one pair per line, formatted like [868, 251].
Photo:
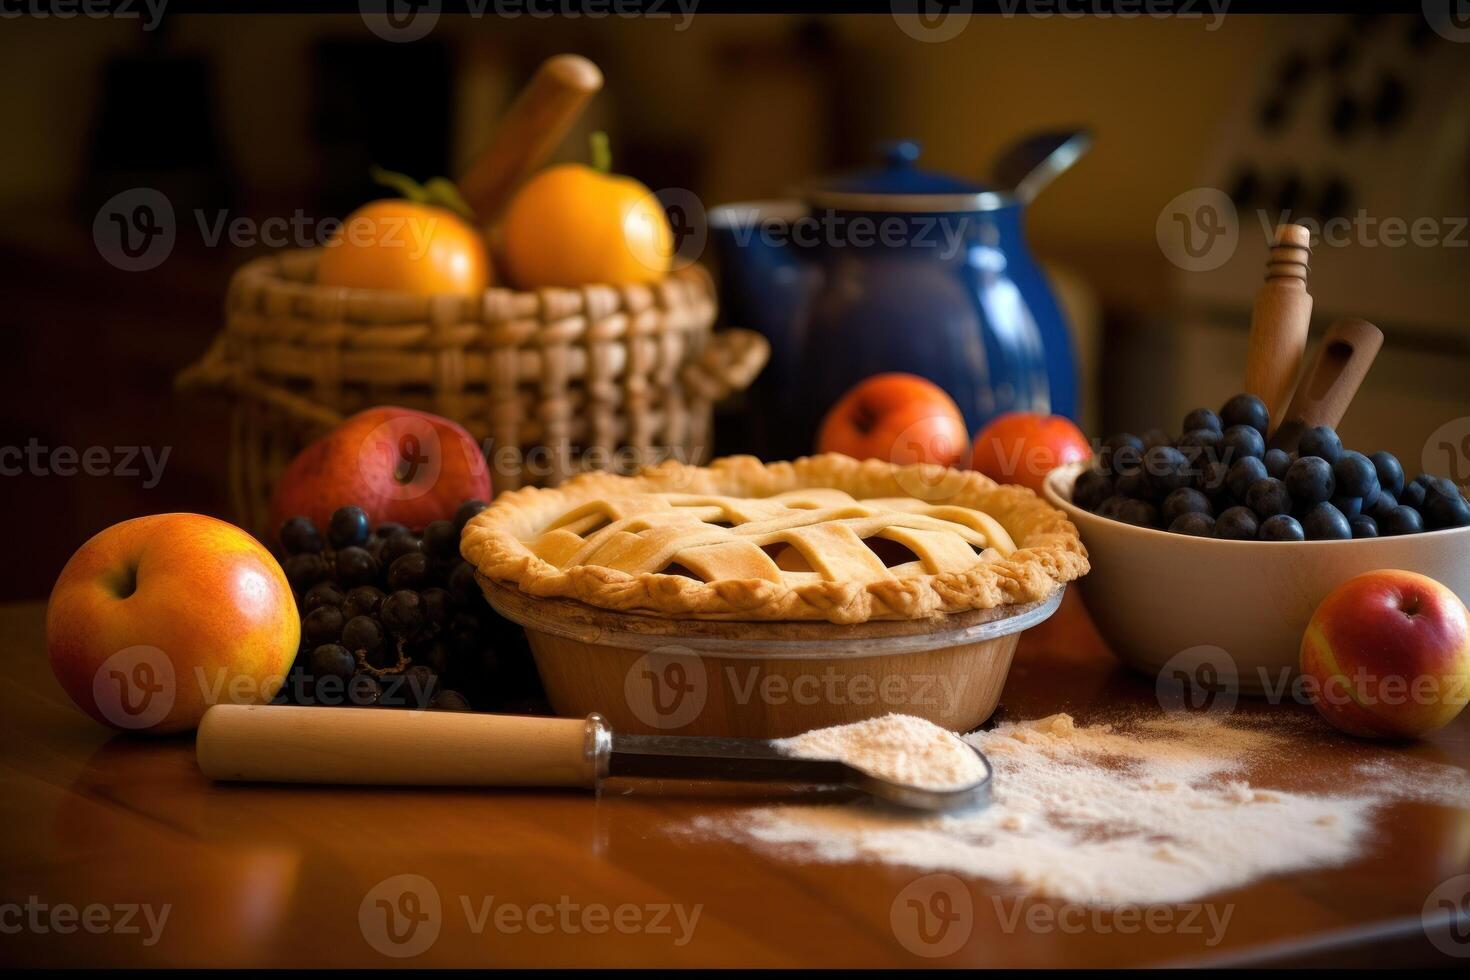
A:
[299, 536]
[449, 701]
[331, 659]
[304, 571]
[362, 601]
[322, 625]
[463, 587]
[397, 546]
[464, 513]
[363, 690]
[408, 572]
[438, 605]
[389, 529]
[356, 566]
[441, 540]
[402, 613]
[348, 527]
[365, 635]
[321, 594]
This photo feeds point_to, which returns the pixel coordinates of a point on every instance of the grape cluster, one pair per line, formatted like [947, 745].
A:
[396, 619]
[1220, 480]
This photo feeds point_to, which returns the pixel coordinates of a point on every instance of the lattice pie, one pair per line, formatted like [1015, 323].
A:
[825, 537]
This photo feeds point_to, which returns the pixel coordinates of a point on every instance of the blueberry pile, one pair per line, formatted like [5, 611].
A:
[396, 619]
[1218, 480]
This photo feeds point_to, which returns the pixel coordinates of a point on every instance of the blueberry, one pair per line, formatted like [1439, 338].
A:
[1282, 527]
[1210, 479]
[464, 513]
[1350, 506]
[408, 572]
[1320, 441]
[1309, 480]
[362, 601]
[1138, 512]
[1278, 461]
[1199, 446]
[1363, 526]
[321, 594]
[1185, 501]
[1246, 409]
[1121, 454]
[1194, 524]
[1390, 473]
[1241, 442]
[1166, 468]
[1202, 418]
[1382, 507]
[1441, 511]
[1243, 473]
[1156, 437]
[322, 625]
[1237, 524]
[1134, 485]
[1091, 489]
[1268, 498]
[1413, 495]
[1324, 522]
[1403, 520]
[400, 544]
[355, 567]
[1356, 476]
[441, 540]
[1108, 508]
[299, 536]
[305, 570]
[348, 527]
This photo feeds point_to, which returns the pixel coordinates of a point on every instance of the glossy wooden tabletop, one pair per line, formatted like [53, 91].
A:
[117, 852]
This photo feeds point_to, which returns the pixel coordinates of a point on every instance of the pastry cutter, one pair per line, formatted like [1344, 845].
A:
[392, 747]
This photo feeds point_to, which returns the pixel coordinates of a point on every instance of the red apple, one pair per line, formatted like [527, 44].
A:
[900, 418]
[1387, 654]
[155, 619]
[397, 464]
[1022, 447]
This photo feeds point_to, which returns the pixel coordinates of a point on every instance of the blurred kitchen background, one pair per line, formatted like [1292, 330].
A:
[265, 116]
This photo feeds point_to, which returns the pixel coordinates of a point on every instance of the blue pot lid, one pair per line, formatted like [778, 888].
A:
[900, 185]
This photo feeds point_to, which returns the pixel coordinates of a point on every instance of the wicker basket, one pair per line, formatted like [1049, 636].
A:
[550, 381]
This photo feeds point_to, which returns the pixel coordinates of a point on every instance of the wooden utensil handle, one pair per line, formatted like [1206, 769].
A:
[531, 129]
[1280, 318]
[1347, 352]
[275, 743]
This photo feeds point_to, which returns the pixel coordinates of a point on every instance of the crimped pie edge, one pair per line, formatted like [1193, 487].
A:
[1049, 551]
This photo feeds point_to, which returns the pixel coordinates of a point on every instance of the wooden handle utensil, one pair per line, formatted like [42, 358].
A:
[531, 129]
[1279, 321]
[1328, 387]
[390, 747]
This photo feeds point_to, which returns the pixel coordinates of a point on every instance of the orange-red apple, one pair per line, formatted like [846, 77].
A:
[1022, 447]
[1387, 655]
[397, 464]
[900, 418]
[155, 619]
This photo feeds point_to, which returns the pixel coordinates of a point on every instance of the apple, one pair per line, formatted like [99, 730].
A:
[155, 619]
[1387, 655]
[1023, 447]
[397, 464]
[899, 418]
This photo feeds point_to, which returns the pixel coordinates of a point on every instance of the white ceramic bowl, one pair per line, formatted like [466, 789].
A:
[1156, 595]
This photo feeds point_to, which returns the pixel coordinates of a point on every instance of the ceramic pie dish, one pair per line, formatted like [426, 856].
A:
[763, 600]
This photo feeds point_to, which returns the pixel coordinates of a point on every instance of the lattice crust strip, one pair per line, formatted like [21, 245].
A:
[822, 538]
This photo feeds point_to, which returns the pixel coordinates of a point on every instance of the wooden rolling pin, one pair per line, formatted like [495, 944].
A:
[531, 129]
[1322, 398]
[1279, 321]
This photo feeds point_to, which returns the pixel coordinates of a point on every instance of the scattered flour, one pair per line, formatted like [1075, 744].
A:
[1152, 810]
[899, 748]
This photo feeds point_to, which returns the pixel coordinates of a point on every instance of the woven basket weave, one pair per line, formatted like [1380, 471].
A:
[550, 382]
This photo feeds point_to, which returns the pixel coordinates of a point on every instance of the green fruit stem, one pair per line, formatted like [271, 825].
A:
[601, 151]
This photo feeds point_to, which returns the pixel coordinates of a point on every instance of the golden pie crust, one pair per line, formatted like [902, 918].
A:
[822, 538]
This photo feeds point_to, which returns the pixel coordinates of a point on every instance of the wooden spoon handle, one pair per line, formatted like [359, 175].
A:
[390, 747]
[1279, 321]
[1322, 398]
[531, 129]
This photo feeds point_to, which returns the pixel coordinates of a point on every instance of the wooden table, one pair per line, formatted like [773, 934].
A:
[103, 827]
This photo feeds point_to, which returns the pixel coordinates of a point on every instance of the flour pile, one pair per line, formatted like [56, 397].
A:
[1155, 810]
[898, 748]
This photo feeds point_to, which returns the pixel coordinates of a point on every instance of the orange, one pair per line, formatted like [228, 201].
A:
[407, 246]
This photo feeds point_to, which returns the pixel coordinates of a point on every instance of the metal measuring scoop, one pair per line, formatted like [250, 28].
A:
[389, 747]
